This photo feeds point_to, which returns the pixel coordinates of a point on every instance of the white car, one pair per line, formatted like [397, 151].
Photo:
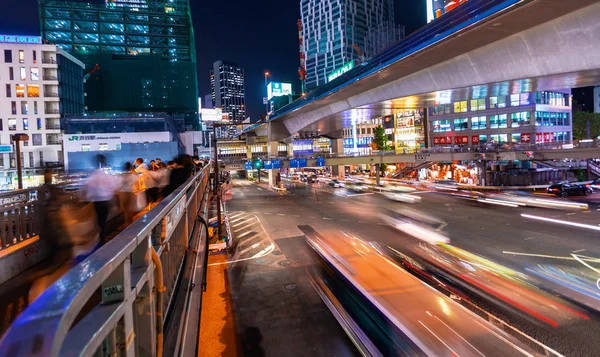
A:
[336, 184]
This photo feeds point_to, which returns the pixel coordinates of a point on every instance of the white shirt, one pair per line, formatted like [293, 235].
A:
[101, 186]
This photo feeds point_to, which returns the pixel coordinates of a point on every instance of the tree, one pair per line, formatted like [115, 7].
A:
[580, 123]
[380, 140]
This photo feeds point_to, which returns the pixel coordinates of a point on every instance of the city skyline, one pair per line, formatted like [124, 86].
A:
[277, 53]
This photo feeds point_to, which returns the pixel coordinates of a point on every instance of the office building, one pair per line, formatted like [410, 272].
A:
[330, 28]
[39, 84]
[227, 86]
[141, 53]
[526, 118]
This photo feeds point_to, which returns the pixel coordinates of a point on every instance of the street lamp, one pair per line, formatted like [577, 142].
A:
[266, 88]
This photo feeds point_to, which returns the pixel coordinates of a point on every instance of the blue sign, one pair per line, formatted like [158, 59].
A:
[297, 163]
[268, 164]
[20, 39]
[276, 164]
[5, 148]
[320, 161]
[248, 165]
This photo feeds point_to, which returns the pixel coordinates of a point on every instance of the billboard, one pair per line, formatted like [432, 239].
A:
[338, 72]
[275, 89]
[214, 114]
[410, 131]
[436, 8]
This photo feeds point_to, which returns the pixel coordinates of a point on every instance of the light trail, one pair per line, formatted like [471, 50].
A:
[557, 221]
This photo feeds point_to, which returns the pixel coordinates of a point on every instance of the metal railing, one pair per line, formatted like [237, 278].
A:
[50, 78]
[48, 61]
[113, 302]
[20, 215]
[50, 95]
[51, 111]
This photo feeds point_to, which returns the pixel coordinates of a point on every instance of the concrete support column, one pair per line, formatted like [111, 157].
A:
[337, 148]
[290, 149]
[249, 151]
[377, 175]
[273, 151]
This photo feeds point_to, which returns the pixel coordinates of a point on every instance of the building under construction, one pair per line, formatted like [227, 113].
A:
[143, 49]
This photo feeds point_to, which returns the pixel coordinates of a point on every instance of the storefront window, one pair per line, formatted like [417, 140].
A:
[477, 104]
[460, 107]
[498, 102]
[551, 119]
[483, 139]
[461, 124]
[442, 109]
[440, 126]
[516, 137]
[519, 119]
[20, 90]
[478, 123]
[498, 121]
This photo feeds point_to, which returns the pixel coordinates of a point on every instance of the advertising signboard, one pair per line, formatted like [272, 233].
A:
[436, 8]
[275, 89]
[410, 131]
[5, 148]
[338, 72]
[211, 114]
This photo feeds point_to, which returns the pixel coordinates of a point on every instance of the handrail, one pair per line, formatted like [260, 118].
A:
[60, 322]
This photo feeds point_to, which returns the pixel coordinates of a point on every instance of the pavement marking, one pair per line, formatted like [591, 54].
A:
[238, 223]
[362, 222]
[243, 234]
[578, 251]
[253, 246]
[295, 215]
[345, 220]
[327, 218]
[361, 194]
[266, 213]
[529, 238]
[260, 189]
[570, 214]
[331, 202]
[382, 224]
[312, 217]
[587, 259]
[446, 204]
[280, 214]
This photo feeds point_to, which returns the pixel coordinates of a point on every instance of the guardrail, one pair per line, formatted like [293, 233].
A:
[116, 302]
[20, 215]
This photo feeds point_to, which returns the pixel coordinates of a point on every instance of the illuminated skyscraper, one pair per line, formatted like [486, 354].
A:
[144, 50]
[330, 28]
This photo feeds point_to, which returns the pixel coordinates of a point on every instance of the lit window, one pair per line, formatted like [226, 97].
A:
[103, 146]
[519, 99]
[25, 124]
[21, 56]
[478, 123]
[33, 90]
[499, 138]
[498, 121]
[35, 107]
[24, 107]
[441, 126]
[498, 102]
[20, 90]
[85, 147]
[461, 124]
[39, 123]
[478, 104]
[23, 73]
[35, 73]
[519, 119]
[460, 107]
[12, 124]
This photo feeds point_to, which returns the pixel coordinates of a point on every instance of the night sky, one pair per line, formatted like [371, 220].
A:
[259, 35]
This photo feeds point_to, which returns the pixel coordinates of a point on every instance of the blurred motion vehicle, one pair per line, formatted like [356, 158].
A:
[357, 186]
[388, 312]
[335, 183]
[416, 224]
[401, 197]
[595, 184]
[565, 189]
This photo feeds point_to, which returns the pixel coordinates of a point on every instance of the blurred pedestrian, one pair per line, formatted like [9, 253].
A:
[100, 190]
[164, 177]
[129, 187]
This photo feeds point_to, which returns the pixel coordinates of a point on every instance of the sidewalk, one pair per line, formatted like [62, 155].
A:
[217, 332]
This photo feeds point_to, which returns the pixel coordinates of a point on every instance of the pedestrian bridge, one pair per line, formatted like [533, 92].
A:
[481, 48]
[138, 295]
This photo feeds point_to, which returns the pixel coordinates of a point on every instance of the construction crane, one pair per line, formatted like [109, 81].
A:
[359, 53]
[87, 76]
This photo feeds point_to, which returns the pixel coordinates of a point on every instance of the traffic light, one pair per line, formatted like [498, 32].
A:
[258, 164]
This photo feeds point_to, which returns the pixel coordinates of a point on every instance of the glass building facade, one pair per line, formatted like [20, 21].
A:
[331, 27]
[144, 49]
[227, 90]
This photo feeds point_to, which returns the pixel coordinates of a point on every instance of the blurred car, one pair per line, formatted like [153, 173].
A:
[357, 186]
[595, 184]
[336, 183]
[565, 190]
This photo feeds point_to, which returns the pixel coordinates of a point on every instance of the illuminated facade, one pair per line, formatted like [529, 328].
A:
[526, 118]
[39, 84]
[331, 27]
[144, 49]
[409, 134]
[227, 86]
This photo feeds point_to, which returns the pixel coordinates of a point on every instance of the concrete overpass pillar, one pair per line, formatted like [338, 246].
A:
[337, 148]
[273, 151]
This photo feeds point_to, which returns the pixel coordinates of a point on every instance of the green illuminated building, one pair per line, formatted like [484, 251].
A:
[144, 50]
